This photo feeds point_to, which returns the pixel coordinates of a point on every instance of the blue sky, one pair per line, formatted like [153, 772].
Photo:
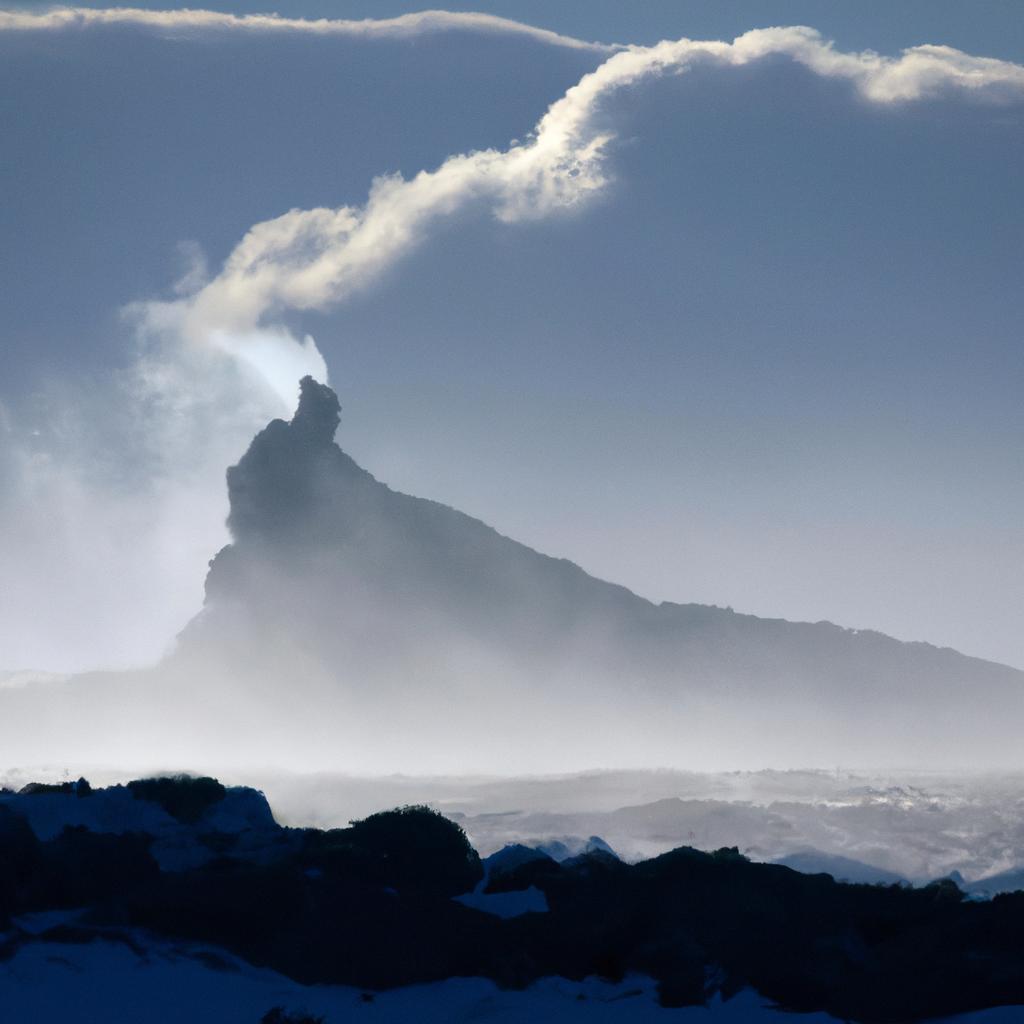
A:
[992, 27]
[759, 347]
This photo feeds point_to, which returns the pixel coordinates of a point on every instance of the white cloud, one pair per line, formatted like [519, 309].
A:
[919, 72]
[182, 21]
[311, 259]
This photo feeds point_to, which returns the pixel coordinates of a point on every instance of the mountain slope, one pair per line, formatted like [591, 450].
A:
[405, 600]
[348, 626]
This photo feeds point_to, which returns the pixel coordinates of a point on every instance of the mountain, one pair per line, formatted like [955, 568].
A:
[842, 869]
[350, 626]
[428, 618]
[993, 885]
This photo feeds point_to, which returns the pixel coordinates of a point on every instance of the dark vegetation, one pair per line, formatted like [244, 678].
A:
[414, 844]
[370, 906]
[181, 796]
[79, 788]
[279, 1015]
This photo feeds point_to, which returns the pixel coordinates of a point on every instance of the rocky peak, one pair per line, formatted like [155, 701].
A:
[278, 483]
[319, 412]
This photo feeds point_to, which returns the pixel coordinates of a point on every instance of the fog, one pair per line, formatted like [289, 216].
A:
[112, 498]
[860, 825]
[915, 826]
[349, 627]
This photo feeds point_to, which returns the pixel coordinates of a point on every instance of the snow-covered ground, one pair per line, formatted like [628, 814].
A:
[117, 810]
[242, 812]
[103, 982]
[139, 978]
[143, 980]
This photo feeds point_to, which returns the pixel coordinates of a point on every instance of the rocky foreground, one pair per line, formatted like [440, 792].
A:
[400, 898]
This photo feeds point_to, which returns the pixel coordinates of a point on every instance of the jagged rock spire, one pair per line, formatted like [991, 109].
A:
[279, 482]
[319, 412]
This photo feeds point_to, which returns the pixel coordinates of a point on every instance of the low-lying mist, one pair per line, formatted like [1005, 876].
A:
[112, 493]
[859, 826]
[348, 627]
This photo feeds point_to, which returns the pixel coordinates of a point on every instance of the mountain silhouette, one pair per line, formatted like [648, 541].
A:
[399, 599]
[349, 626]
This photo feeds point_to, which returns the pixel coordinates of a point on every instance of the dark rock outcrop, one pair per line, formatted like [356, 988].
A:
[371, 906]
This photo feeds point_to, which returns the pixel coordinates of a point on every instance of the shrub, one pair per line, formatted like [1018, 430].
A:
[79, 788]
[181, 796]
[418, 847]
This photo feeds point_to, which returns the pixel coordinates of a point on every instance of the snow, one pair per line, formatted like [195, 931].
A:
[243, 812]
[116, 810]
[114, 980]
[506, 904]
[241, 809]
[104, 981]
[113, 810]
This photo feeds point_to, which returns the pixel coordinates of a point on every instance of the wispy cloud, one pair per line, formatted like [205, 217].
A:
[312, 259]
[181, 21]
[919, 72]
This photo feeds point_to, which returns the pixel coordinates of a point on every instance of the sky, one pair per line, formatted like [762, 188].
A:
[732, 323]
